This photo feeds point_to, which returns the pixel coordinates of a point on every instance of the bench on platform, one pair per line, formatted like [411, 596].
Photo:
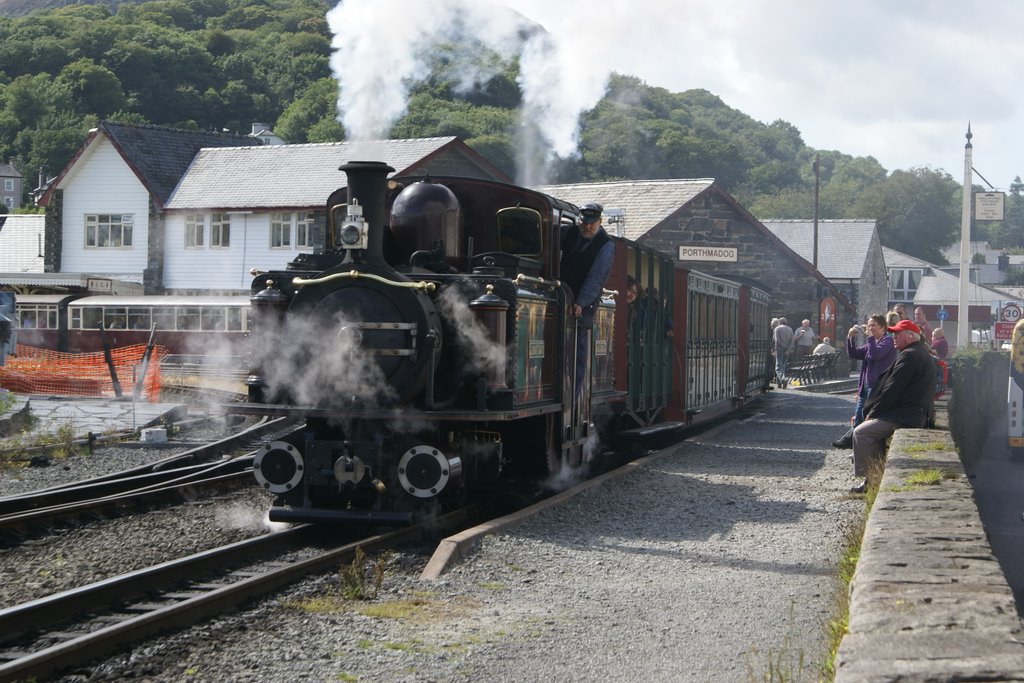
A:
[813, 368]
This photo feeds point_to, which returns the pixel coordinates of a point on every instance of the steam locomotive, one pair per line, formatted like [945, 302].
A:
[430, 348]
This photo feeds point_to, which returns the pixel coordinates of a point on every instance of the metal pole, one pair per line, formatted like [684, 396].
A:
[817, 176]
[963, 327]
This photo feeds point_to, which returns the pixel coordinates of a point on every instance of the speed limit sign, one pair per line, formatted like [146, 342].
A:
[1010, 313]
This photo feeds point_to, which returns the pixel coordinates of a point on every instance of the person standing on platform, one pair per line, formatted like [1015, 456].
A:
[804, 340]
[922, 324]
[940, 345]
[903, 397]
[782, 336]
[876, 355]
[587, 254]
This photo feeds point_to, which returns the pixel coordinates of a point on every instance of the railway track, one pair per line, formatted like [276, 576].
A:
[42, 638]
[171, 479]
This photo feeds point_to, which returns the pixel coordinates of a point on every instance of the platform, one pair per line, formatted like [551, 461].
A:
[96, 415]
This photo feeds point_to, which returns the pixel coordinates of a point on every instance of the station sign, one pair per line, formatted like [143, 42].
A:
[988, 206]
[689, 252]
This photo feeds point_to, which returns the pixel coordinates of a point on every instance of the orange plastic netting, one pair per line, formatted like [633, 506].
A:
[39, 371]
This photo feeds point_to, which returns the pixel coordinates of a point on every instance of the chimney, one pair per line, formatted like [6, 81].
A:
[258, 127]
[1004, 262]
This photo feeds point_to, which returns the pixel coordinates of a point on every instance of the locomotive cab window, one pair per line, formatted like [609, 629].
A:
[520, 231]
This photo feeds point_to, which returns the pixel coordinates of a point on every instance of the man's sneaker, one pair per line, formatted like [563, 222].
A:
[843, 442]
[862, 487]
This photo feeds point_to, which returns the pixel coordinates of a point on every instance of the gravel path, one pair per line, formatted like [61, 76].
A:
[714, 561]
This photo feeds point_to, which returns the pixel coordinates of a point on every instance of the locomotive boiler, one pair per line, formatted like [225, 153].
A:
[428, 346]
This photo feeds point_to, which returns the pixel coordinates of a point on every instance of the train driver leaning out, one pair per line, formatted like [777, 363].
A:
[587, 254]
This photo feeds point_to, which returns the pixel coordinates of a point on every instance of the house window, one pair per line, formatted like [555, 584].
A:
[8, 184]
[9, 202]
[220, 230]
[903, 283]
[195, 224]
[304, 230]
[108, 230]
[280, 230]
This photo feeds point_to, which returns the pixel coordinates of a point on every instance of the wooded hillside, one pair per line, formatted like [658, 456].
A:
[223, 64]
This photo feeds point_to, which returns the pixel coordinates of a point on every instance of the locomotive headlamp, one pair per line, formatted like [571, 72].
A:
[352, 232]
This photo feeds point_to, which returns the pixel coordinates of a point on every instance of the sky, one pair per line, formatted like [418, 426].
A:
[898, 80]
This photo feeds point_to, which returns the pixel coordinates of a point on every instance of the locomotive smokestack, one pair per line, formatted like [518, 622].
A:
[367, 183]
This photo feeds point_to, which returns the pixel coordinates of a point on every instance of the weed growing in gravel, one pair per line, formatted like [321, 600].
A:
[6, 401]
[495, 586]
[354, 584]
[350, 678]
[838, 625]
[782, 665]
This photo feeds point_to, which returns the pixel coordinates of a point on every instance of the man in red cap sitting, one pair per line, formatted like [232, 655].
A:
[902, 397]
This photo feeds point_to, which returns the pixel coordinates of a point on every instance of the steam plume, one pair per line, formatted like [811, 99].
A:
[382, 49]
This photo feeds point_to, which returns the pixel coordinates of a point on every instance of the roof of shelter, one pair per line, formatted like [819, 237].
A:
[297, 175]
[21, 243]
[843, 244]
[644, 203]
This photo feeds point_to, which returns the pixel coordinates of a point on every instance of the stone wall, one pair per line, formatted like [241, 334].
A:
[53, 233]
[928, 600]
[710, 220]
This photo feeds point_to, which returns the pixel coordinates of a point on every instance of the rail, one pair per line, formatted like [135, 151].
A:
[144, 603]
[224, 367]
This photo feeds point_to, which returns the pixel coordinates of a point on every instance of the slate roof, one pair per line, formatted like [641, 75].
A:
[938, 287]
[9, 171]
[159, 156]
[644, 203]
[21, 243]
[897, 259]
[282, 176]
[843, 244]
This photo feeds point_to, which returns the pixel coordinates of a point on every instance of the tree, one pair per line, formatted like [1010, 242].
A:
[94, 89]
[917, 211]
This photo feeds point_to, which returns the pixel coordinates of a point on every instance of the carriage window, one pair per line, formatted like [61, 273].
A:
[115, 318]
[519, 231]
[39, 316]
[138, 318]
[188, 318]
[213, 318]
[235, 319]
[90, 318]
[163, 318]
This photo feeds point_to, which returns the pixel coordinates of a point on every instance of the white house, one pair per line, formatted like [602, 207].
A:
[105, 208]
[240, 208]
[191, 212]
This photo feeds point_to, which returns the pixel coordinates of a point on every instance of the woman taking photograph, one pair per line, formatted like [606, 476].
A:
[876, 355]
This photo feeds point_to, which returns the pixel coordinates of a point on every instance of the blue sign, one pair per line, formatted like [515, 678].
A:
[942, 314]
